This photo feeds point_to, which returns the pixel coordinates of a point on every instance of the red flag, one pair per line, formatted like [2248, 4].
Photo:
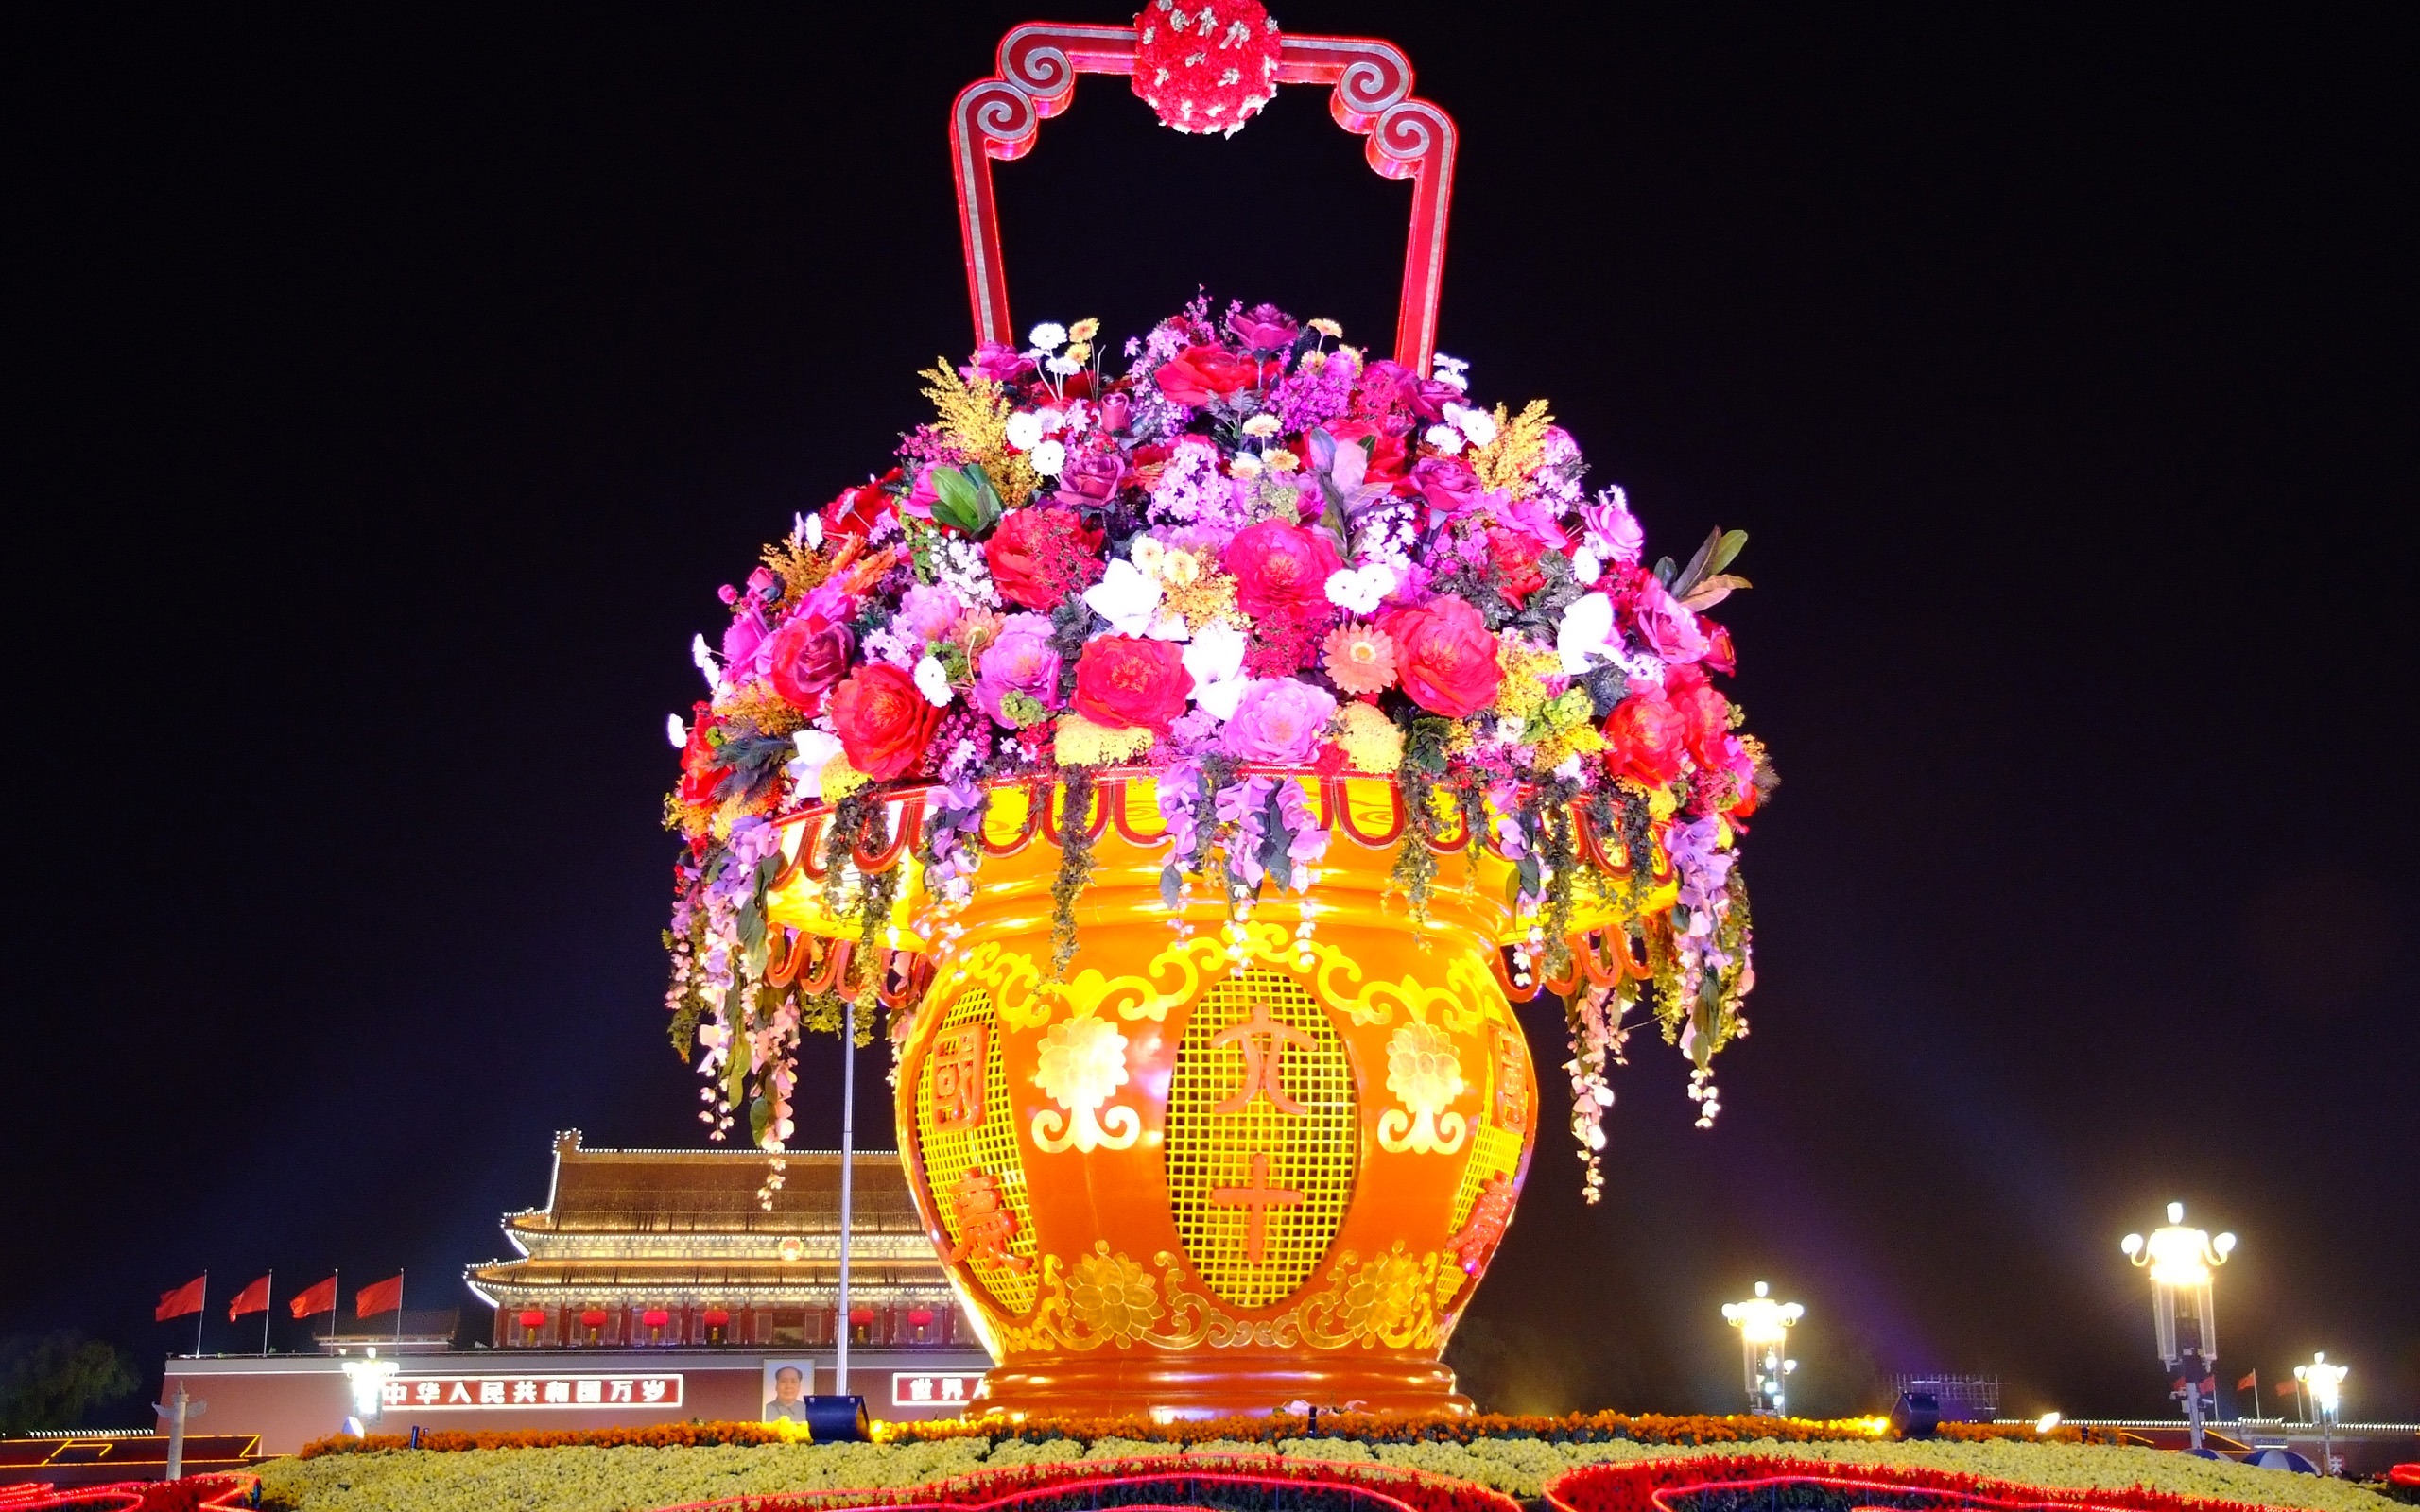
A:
[2289, 1385]
[2250, 1380]
[184, 1299]
[379, 1296]
[311, 1299]
[252, 1298]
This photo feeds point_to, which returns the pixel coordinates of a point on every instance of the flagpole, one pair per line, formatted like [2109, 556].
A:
[848, 1153]
[335, 1299]
[268, 1296]
[202, 1314]
[398, 1312]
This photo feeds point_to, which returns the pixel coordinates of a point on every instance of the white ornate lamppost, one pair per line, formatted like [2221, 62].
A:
[2322, 1385]
[1764, 1327]
[2180, 1261]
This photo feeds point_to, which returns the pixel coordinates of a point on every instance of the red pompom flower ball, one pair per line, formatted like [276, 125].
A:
[1206, 65]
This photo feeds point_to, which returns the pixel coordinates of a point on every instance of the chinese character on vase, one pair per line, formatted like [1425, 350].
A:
[1256, 1198]
[1262, 1039]
[1254, 555]
[985, 1226]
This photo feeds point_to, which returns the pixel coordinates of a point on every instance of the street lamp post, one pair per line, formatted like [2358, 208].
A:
[1764, 1327]
[2319, 1383]
[2180, 1261]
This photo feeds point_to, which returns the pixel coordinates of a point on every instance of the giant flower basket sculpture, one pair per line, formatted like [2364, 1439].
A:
[1178, 755]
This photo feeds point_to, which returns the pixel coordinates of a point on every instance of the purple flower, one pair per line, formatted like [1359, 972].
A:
[1613, 530]
[1092, 476]
[996, 361]
[1670, 630]
[1021, 661]
[1279, 720]
[928, 611]
[1264, 328]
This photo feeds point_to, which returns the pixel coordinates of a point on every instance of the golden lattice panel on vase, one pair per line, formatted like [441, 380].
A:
[1263, 1136]
[966, 1128]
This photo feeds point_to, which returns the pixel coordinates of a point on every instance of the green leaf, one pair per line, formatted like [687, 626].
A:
[1732, 541]
[1689, 575]
[1712, 590]
[1665, 571]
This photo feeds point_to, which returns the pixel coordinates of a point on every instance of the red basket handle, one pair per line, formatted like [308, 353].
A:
[1407, 138]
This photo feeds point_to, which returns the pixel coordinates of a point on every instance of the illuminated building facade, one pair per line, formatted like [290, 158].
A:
[680, 1249]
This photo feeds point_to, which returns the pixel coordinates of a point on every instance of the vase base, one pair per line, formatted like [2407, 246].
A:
[1176, 1388]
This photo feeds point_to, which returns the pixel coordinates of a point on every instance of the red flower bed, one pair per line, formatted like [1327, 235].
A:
[1241, 1485]
[1707, 1485]
[194, 1493]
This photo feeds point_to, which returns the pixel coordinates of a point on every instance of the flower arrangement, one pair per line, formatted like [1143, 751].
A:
[1257, 552]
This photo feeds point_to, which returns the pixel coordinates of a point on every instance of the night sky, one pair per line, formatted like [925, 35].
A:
[390, 398]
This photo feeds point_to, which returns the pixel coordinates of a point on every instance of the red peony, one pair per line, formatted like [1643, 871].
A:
[1040, 555]
[1706, 715]
[1125, 681]
[1198, 374]
[858, 509]
[1445, 657]
[700, 777]
[1644, 736]
[806, 656]
[1280, 568]
[883, 719]
[1515, 558]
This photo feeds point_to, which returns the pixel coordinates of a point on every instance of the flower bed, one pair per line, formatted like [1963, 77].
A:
[194, 1493]
[1242, 1484]
[1575, 1428]
[1734, 1483]
[584, 1477]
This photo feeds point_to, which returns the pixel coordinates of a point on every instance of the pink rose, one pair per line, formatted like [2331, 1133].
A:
[1280, 568]
[1670, 630]
[1021, 661]
[1280, 721]
[806, 656]
[1448, 484]
[1091, 478]
[1264, 328]
[747, 633]
[996, 361]
[1613, 530]
[1424, 397]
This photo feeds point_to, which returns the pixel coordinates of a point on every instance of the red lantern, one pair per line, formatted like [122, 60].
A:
[532, 1319]
[655, 1317]
[920, 1317]
[592, 1320]
[861, 1315]
[716, 1317]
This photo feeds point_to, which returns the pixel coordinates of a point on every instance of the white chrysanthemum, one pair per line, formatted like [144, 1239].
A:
[932, 680]
[1048, 458]
[1025, 430]
[1476, 424]
[1360, 588]
[674, 733]
[1445, 438]
[1049, 333]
